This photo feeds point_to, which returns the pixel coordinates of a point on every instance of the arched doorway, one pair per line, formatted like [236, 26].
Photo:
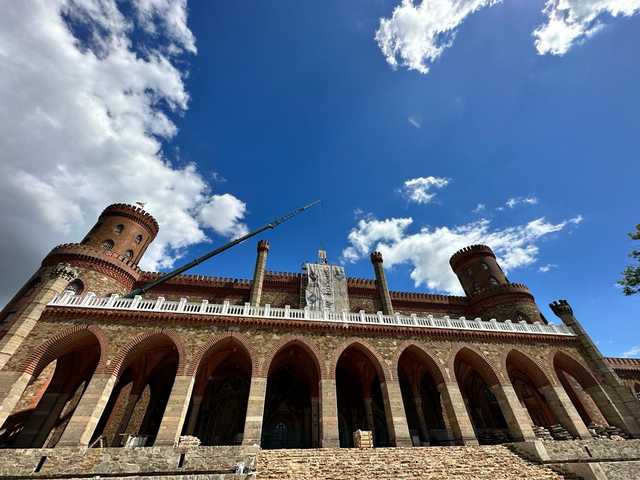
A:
[581, 386]
[420, 378]
[361, 399]
[133, 414]
[527, 380]
[292, 402]
[475, 378]
[58, 383]
[220, 394]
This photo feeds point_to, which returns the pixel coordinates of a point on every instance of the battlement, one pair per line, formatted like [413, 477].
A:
[495, 290]
[467, 252]
[623, 363]
[136, 213]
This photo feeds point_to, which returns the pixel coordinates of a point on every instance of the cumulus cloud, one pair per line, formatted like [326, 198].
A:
[570, 22]
[481, 207]
[632, 352]
[84, 112]
[416, 35]
[547, 267]
[224, 214]
[428, 250]
[420, 189]
[514, 201]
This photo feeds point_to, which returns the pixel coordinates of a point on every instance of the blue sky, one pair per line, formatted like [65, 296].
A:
[245, 110]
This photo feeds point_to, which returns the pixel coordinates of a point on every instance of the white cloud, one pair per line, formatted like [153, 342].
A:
[632, 352]
[570, 22]
[224, 214]
[416, 35]
[418, 189]
[481, 207]
[83, 119]
[414, 121]
[547, 267]
[514, 201]
[428, 250]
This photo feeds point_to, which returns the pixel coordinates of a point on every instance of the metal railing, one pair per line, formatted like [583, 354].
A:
[182, 306]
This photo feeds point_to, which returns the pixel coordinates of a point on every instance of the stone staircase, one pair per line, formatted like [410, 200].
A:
[442, 463]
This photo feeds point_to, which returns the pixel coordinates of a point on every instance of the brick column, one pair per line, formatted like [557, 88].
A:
[517, 418]
[560, 404]
[87, 414]
[54, 283]
[258, 273]
[329, 419]
[175, 412]
[12, 385]
[625, 402]
[381, 283]
[196, 402]
[456, 414]
[255, 411]
[396, 417]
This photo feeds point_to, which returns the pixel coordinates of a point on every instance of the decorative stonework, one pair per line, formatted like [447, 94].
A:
[65, 271]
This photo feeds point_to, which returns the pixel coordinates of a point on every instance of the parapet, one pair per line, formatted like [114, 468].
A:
[468, 252]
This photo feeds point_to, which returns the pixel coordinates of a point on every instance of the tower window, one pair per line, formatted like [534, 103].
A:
[76, 287]
[493, 281]
[108, 244]
[470, 272]
[128, 254]
[138, 238]
[484, 266]
[119, 228]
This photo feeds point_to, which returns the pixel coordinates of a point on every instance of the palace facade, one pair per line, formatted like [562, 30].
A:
[292, 360]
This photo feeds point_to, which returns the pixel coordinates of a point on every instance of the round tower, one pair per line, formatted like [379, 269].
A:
[490, 293]
[124, 229]
[477, 269]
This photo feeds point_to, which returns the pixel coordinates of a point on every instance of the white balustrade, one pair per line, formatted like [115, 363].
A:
[183, 306]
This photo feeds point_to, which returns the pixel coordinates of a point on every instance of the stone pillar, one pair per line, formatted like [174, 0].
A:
[561, 406]
[396, 417]
[175, 413]
[196, 402]
[329, 404]
[607, 407]
[12, 386]
[381, 283]
[315, 422]
[87, 414]
[456, 414]
[517, 418]
[258, 273]
[625, 402]
[44, 416]
[255, 411]
[368, 413]
[424, 430]
[57, 279]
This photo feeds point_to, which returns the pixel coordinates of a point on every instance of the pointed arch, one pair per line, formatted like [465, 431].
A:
[528, 366]
[369, 351]
[214, 342]
[438, 374]
[307, 345]
[571, 365]
[146, 341]
[478, 361]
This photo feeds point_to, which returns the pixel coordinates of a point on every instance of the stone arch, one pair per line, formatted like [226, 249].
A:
[528, 365]
[578, 370]
[63, 343]
[477, 360]
[307, 345]
[148, 339]
[367, 349]
[211, 344]
[439, 374]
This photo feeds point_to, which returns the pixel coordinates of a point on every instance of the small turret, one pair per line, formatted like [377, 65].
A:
[477, 269]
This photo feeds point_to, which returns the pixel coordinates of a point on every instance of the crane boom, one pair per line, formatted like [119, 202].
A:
[269, 226]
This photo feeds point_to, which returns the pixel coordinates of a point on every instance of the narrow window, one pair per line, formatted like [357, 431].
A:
[138, 238]
[76, 287]
[128, 254]
[484, 266]
[108, 244]
[493, 281]
[119, 228]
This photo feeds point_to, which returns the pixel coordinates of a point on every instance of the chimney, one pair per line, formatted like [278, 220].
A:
[381, 283]
[258, 273]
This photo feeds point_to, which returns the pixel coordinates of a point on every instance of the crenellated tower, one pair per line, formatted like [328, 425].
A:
[490, 293]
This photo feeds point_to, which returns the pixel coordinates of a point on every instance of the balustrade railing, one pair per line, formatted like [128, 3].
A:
[182, 306]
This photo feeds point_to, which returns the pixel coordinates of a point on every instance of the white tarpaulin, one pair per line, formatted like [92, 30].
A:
[326, 287]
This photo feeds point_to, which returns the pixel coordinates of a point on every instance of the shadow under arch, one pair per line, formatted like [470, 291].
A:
[59, 372]
[218, 405]
[292, 402]
[145, 369]
[583, 389]
[478, 383]
[421, 382]
[363, 400]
